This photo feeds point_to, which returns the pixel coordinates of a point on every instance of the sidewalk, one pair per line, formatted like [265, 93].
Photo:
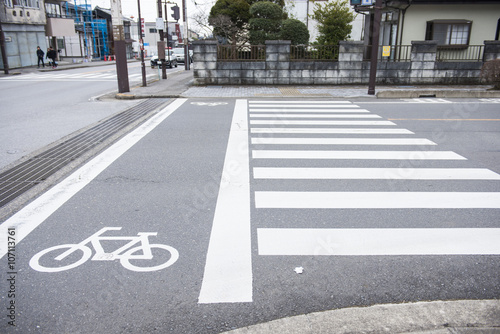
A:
[438, 317]
[181, 84]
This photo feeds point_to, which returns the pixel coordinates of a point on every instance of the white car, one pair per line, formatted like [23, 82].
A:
[170, 61]
[179, 52]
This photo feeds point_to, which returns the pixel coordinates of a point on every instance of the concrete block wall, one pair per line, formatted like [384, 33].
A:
[279, 69]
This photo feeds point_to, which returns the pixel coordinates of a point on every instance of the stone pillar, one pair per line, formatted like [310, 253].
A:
[491, 50]
[205, 62]
[351, 63]
[278, 62]
[423, 61]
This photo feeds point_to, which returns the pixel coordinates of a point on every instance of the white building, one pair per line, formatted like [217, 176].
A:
[299, 9]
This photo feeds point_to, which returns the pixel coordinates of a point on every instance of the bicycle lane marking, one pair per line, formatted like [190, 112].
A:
[228, 269]
[35, 213]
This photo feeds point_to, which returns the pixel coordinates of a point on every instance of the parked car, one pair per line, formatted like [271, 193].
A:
[179, 52]
[170, 61]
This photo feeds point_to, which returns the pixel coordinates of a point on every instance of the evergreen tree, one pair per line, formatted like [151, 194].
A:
[334, 21]
[294, 31]
[265, 23]
[229, 19]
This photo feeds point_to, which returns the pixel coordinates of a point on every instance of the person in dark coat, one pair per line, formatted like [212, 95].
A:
[40, 54]
[52, 55]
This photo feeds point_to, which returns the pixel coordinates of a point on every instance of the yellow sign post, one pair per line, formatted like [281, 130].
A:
[386, 51]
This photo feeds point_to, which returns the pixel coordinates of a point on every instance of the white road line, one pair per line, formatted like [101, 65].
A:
[292, 102]
[87, 75]
[376, 200]
[332, 130]
[357, 155]
[342, 141]
[308, 110]
[427, 100]
[375, 173]
[66, 80]
[304, 105]
[284, 109]
[285, 122]
[284, 116]
[35, 213]
[383, 241]
[228, 269]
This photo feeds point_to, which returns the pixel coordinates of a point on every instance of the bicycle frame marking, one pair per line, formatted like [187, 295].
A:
[101, 255]
[124, 253]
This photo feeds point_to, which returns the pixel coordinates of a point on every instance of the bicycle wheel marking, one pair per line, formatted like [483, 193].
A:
[139, 243]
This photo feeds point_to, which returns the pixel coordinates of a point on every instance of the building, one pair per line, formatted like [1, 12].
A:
[303, 9]
[23, 25]
[459, 27]
[73, 29]
[105, 15]
[152, 37]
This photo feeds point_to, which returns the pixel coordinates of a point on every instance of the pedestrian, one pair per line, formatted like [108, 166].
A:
[40, 54]
[52, 55]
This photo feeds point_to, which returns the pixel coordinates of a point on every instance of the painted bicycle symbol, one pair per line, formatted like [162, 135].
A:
[124, 253]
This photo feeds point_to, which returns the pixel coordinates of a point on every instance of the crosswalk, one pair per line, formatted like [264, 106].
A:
[290, 160]
[278, 139]
[54, 76]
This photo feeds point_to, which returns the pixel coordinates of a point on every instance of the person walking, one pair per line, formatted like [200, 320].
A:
[52, 55]
[40, 54]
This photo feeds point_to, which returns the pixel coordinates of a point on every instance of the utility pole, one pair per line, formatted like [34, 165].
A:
[5, 60]
[141, 45]
[186, 46]
[120, 48]
[375, 41]
[161, 43]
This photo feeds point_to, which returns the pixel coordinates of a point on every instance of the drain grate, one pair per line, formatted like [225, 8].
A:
[19, 179]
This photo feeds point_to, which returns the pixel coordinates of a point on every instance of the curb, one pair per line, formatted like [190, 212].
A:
[398, 94]
[463, 316]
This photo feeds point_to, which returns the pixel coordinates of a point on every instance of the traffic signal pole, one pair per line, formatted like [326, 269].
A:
[161, 46]
[186, 47]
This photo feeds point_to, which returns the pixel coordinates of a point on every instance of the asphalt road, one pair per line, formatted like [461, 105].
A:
[270, 216]
[41, 107]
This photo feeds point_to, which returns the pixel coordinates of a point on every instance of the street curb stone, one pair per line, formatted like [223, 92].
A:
[462, 316]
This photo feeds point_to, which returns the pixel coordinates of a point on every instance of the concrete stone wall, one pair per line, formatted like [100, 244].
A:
[279, 69]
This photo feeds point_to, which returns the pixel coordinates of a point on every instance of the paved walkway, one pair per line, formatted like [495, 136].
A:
[181, 84]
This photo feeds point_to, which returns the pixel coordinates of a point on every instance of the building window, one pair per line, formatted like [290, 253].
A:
[31, 3]
[449, 32]
[152, 30]
[52, 10]
[8, 3]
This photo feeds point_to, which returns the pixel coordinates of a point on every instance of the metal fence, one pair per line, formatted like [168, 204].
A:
[394, 53]
[237, 53]
[314, 52]
[469, 53]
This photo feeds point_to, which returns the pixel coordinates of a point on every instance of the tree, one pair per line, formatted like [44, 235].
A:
[295, 31]
[265, 23]
[334, 22]
[229, 19]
